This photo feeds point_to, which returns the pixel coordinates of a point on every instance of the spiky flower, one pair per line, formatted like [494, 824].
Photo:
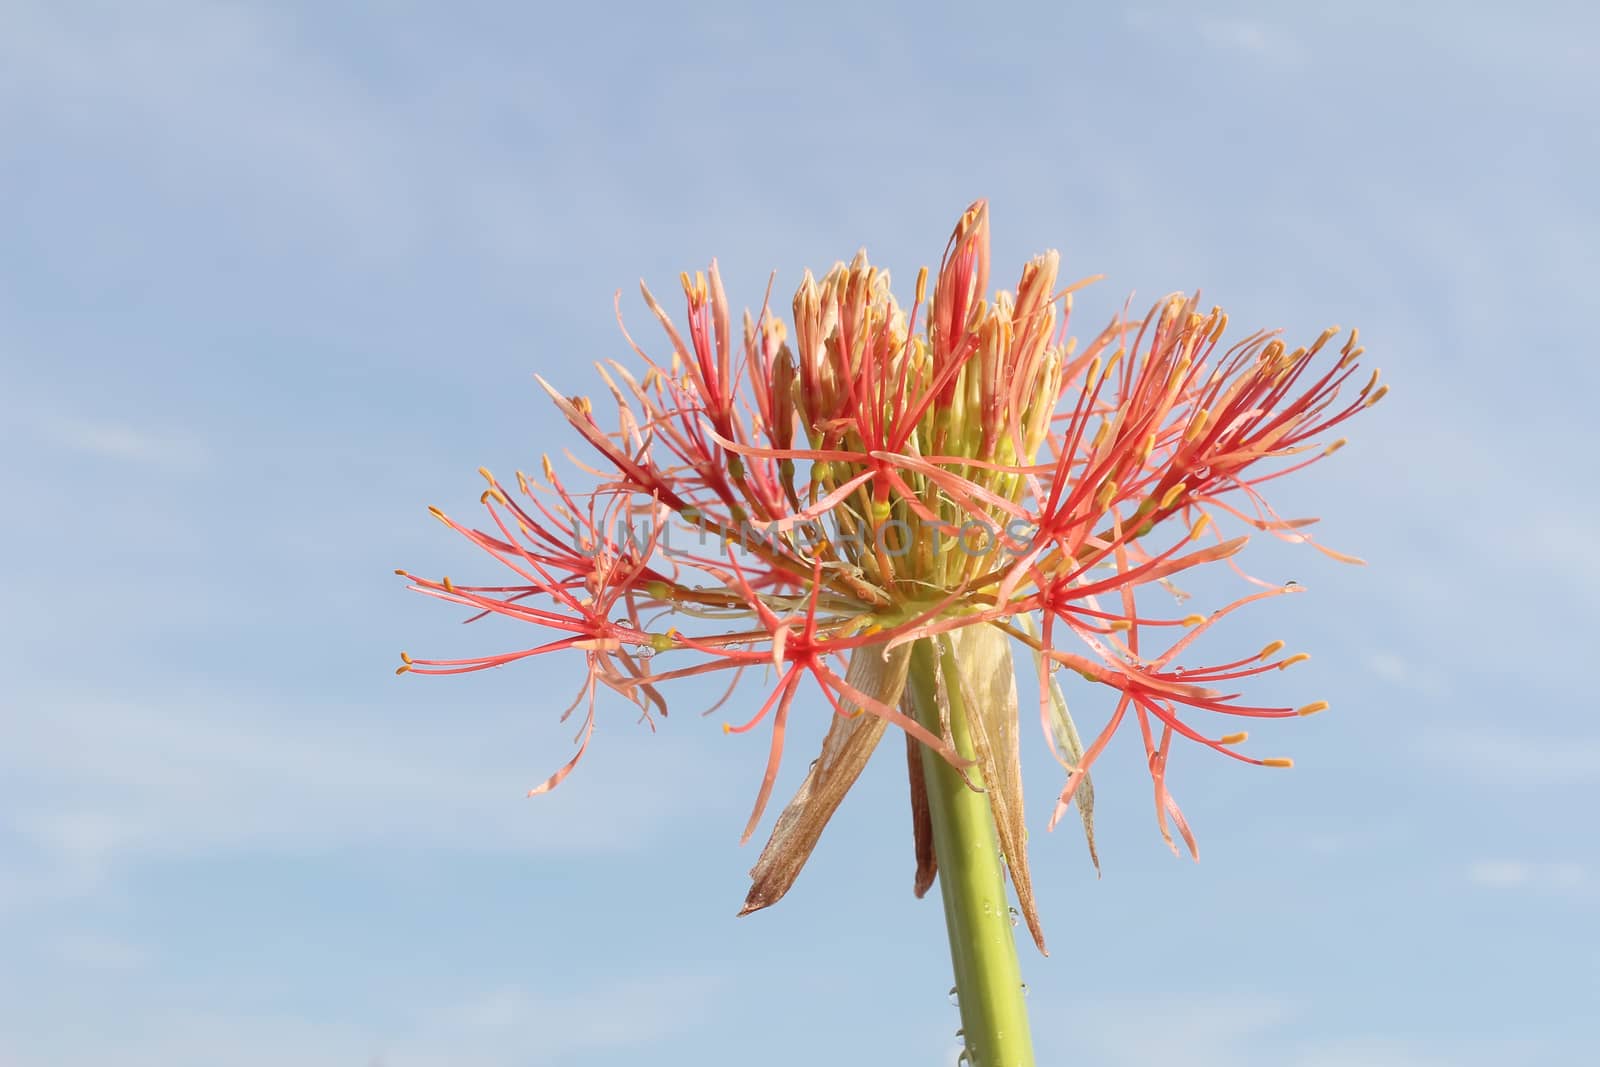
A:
[946, 482]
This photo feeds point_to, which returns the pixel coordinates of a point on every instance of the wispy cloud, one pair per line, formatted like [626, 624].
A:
[309, 140]
[1407, 673]
[506, 1028]
[1502, 756]
[124, 442]
[1256, 39]
[1381, 1053]
[97, 952]
[1523, 874]
[1249, 36]
[630, 1013]
[1253, 1029]
[265, 137]
[190, 778]
[1197, 1029]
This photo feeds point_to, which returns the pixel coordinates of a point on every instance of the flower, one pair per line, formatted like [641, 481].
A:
[961, 476]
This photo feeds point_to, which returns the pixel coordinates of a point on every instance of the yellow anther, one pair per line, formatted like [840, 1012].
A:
[1233, 739]
[1197, 425]
[727, 728]
[1267, 653]
[522, 484]
[436, 513]
[1103, 498]
[1119, 625]
[1170, 497]
[1193, 620]
[449, 587]
[1290, 661]
[401, 572]
[922, 284]
[1335, 446]
[486, 475]
[1327, 335]
[403, 668]
[1222, 324]
[1371, 382]
[1175, 379]
[549, 468]
[1383, 391]
[1278, 761]
[1200, 526]
[872, 628]
[1312, 708]
[1100, 436]
[1094, 372]
[405, 657]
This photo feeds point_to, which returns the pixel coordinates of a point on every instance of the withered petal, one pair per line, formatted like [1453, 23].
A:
[921, 818]
[988, 683]
[845, 750]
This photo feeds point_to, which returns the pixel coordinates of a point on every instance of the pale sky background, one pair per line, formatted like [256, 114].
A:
[273, 278]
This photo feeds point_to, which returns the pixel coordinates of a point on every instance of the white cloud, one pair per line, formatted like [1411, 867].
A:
[1252, 1029]
[1254, 38]
[1407, 673]
[1196, 1030]
[124, 442]
[91, 784]
[217, 97]
[534, 1029]
[261, 133]
[1375, 1054]
[97, 952]
[1521, 874]
[630, 1013]
[1247, 35]
[1503, 756]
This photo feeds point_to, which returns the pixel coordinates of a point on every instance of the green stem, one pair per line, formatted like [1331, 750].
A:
[994, 1016]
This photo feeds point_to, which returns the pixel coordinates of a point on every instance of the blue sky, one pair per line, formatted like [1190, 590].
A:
[274, 278]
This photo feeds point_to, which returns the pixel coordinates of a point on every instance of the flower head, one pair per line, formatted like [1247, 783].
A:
[960, 473]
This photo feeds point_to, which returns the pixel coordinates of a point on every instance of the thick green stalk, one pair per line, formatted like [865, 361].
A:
[994, 1017]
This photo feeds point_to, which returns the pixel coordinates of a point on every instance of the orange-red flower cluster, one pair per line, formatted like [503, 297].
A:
[809, 506]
